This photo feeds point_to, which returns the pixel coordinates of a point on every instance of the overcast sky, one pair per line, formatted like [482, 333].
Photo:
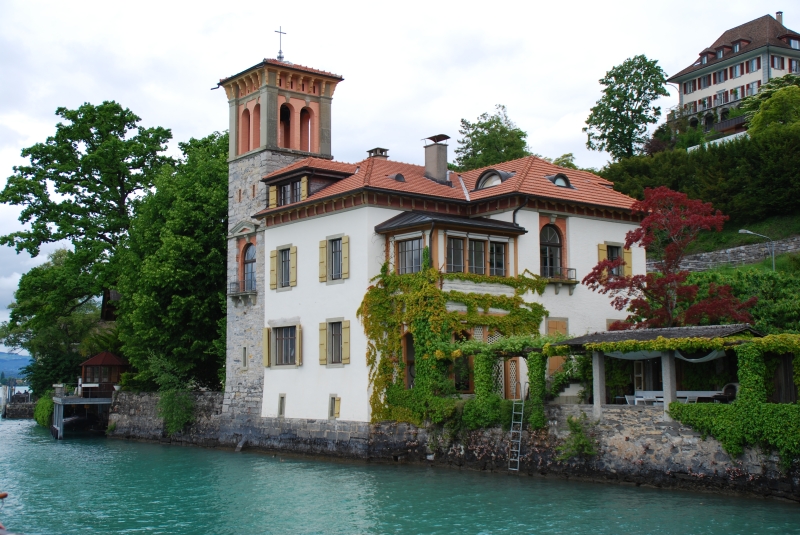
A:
[411, 69]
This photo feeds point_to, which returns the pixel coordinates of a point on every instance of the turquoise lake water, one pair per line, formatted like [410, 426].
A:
[94, 485]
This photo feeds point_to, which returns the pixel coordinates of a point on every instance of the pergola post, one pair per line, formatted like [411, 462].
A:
[668, 379]
[598, 383]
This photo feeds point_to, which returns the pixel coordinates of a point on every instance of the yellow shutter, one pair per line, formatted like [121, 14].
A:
[323, 260]
[273, 196]
[337, 404]
[303, 188]
[626, 256]
[556, 326]
[345, 257]
[602, 252]
[298, 346]
[323, 343]
[273, 269]
[346, 342]
[265, 345]
[293, 266]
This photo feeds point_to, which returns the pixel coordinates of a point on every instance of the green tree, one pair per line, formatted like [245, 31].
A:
[83, 183]
[173, 272]
[566, 161]
[2, 378]
[489, 140]
[783, 108]
[750, 105]
[618, 122]
[49, 318]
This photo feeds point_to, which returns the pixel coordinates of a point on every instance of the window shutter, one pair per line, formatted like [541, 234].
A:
[293, 266]
[323, 343]
[337, 404]
[273, 196]
[346, 342]
[345, 257]
[273, 269]
[758, 62]
[783, 64]
[715, 78]
[323, 260]
[556, 327]
[602, 252]
[628, 259]
[303, 188]
[265, 345]
[746, 67]
[298, 345]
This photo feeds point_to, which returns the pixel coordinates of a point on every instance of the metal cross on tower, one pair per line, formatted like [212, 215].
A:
[280, 42]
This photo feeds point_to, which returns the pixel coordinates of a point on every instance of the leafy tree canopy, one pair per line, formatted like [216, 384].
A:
[782, 108]
[82, 184]
[173, 268]
[52, 314]
[618, 122]
[750, 105]
[671, 221]
[491, 139]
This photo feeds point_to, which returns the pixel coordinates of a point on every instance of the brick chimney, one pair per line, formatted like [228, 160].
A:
[436, 159]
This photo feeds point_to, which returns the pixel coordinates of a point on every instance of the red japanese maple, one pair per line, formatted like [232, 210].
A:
[671, 221]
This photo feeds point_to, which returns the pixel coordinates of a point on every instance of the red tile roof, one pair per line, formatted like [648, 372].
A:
[286, 64]
[105, 358]
[760, 32]
[528, 179]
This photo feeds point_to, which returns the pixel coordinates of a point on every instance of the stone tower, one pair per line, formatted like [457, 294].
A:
[279, 113]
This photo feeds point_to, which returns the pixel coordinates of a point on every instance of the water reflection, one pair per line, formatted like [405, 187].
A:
[110, 486]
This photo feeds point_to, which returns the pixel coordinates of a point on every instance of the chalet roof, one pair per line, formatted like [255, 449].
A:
[285, 64]
[414, 218]
[529, 178]
[760, 32]
[105, 358]
[644, 335]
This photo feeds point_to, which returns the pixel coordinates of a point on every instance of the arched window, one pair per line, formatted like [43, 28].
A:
[256, 123]
[285, 130]
[244, 132]
[305, 129]
[550, 252]
[249, 282]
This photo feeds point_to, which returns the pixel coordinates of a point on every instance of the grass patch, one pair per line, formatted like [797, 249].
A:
[777, 228]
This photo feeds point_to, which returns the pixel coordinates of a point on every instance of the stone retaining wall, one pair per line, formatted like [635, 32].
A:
[735, 256]
[633, 445]
[18, 411]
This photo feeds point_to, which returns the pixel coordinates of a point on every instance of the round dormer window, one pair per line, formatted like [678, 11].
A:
[559, 180]
[490, 180]
[492, 177]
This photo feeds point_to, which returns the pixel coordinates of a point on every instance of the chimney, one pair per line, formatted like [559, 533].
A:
[377, 152]
[436, 159]
[779, 16]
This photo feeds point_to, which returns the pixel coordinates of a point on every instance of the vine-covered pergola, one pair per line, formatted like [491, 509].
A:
[749, 420]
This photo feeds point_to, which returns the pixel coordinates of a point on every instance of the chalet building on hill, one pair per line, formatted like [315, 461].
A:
[733, 67]
[307, 235]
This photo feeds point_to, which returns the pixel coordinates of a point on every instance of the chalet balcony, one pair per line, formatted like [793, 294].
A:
[560, 276]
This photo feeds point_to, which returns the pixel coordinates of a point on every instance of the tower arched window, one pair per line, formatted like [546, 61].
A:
[256, 126]
[550, 252]
[244, 132]
[305, 129]
[249, 281]
[285, 127]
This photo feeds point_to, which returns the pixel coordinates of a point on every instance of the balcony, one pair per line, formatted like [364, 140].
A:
[560, 276]
[243, 290]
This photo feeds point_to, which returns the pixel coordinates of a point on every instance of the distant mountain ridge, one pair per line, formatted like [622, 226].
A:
[11, 363]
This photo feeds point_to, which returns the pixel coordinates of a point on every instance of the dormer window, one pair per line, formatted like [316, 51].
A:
[736, 47]
[719, 53]
[559, 180]
[289, 193]
[794, 43]
[492, 177]
[704, 60]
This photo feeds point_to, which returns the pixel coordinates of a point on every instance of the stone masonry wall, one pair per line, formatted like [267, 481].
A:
[18, 411]
[634, 445]
[245, 318]
[735, 256]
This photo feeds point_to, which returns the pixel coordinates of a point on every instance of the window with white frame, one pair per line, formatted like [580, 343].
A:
[409, 256]
[722, 75]
[736, 71]
[794, 43]
[705, 81]
[614, 252]
[335, 342]
[477, 257]
[794, 66]
[289, 193]
[753, 65]
[497, 259]
[736, 47]
[719, 53]
[752, 88]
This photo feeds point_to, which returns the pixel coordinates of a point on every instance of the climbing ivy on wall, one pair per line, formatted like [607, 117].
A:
[750, 419]
[416, 303]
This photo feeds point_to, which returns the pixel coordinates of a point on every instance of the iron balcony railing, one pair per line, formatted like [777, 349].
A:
[242, 286]
[562, 273]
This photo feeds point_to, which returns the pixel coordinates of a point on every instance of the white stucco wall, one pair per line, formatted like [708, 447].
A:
[308, 387]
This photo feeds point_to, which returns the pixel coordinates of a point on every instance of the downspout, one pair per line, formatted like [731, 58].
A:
[518, 208]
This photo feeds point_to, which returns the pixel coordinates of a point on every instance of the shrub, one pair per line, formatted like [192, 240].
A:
[176, 407]
[43, 412]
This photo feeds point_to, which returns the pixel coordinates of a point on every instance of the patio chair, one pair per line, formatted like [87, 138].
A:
[691, 399]
[631, 400]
